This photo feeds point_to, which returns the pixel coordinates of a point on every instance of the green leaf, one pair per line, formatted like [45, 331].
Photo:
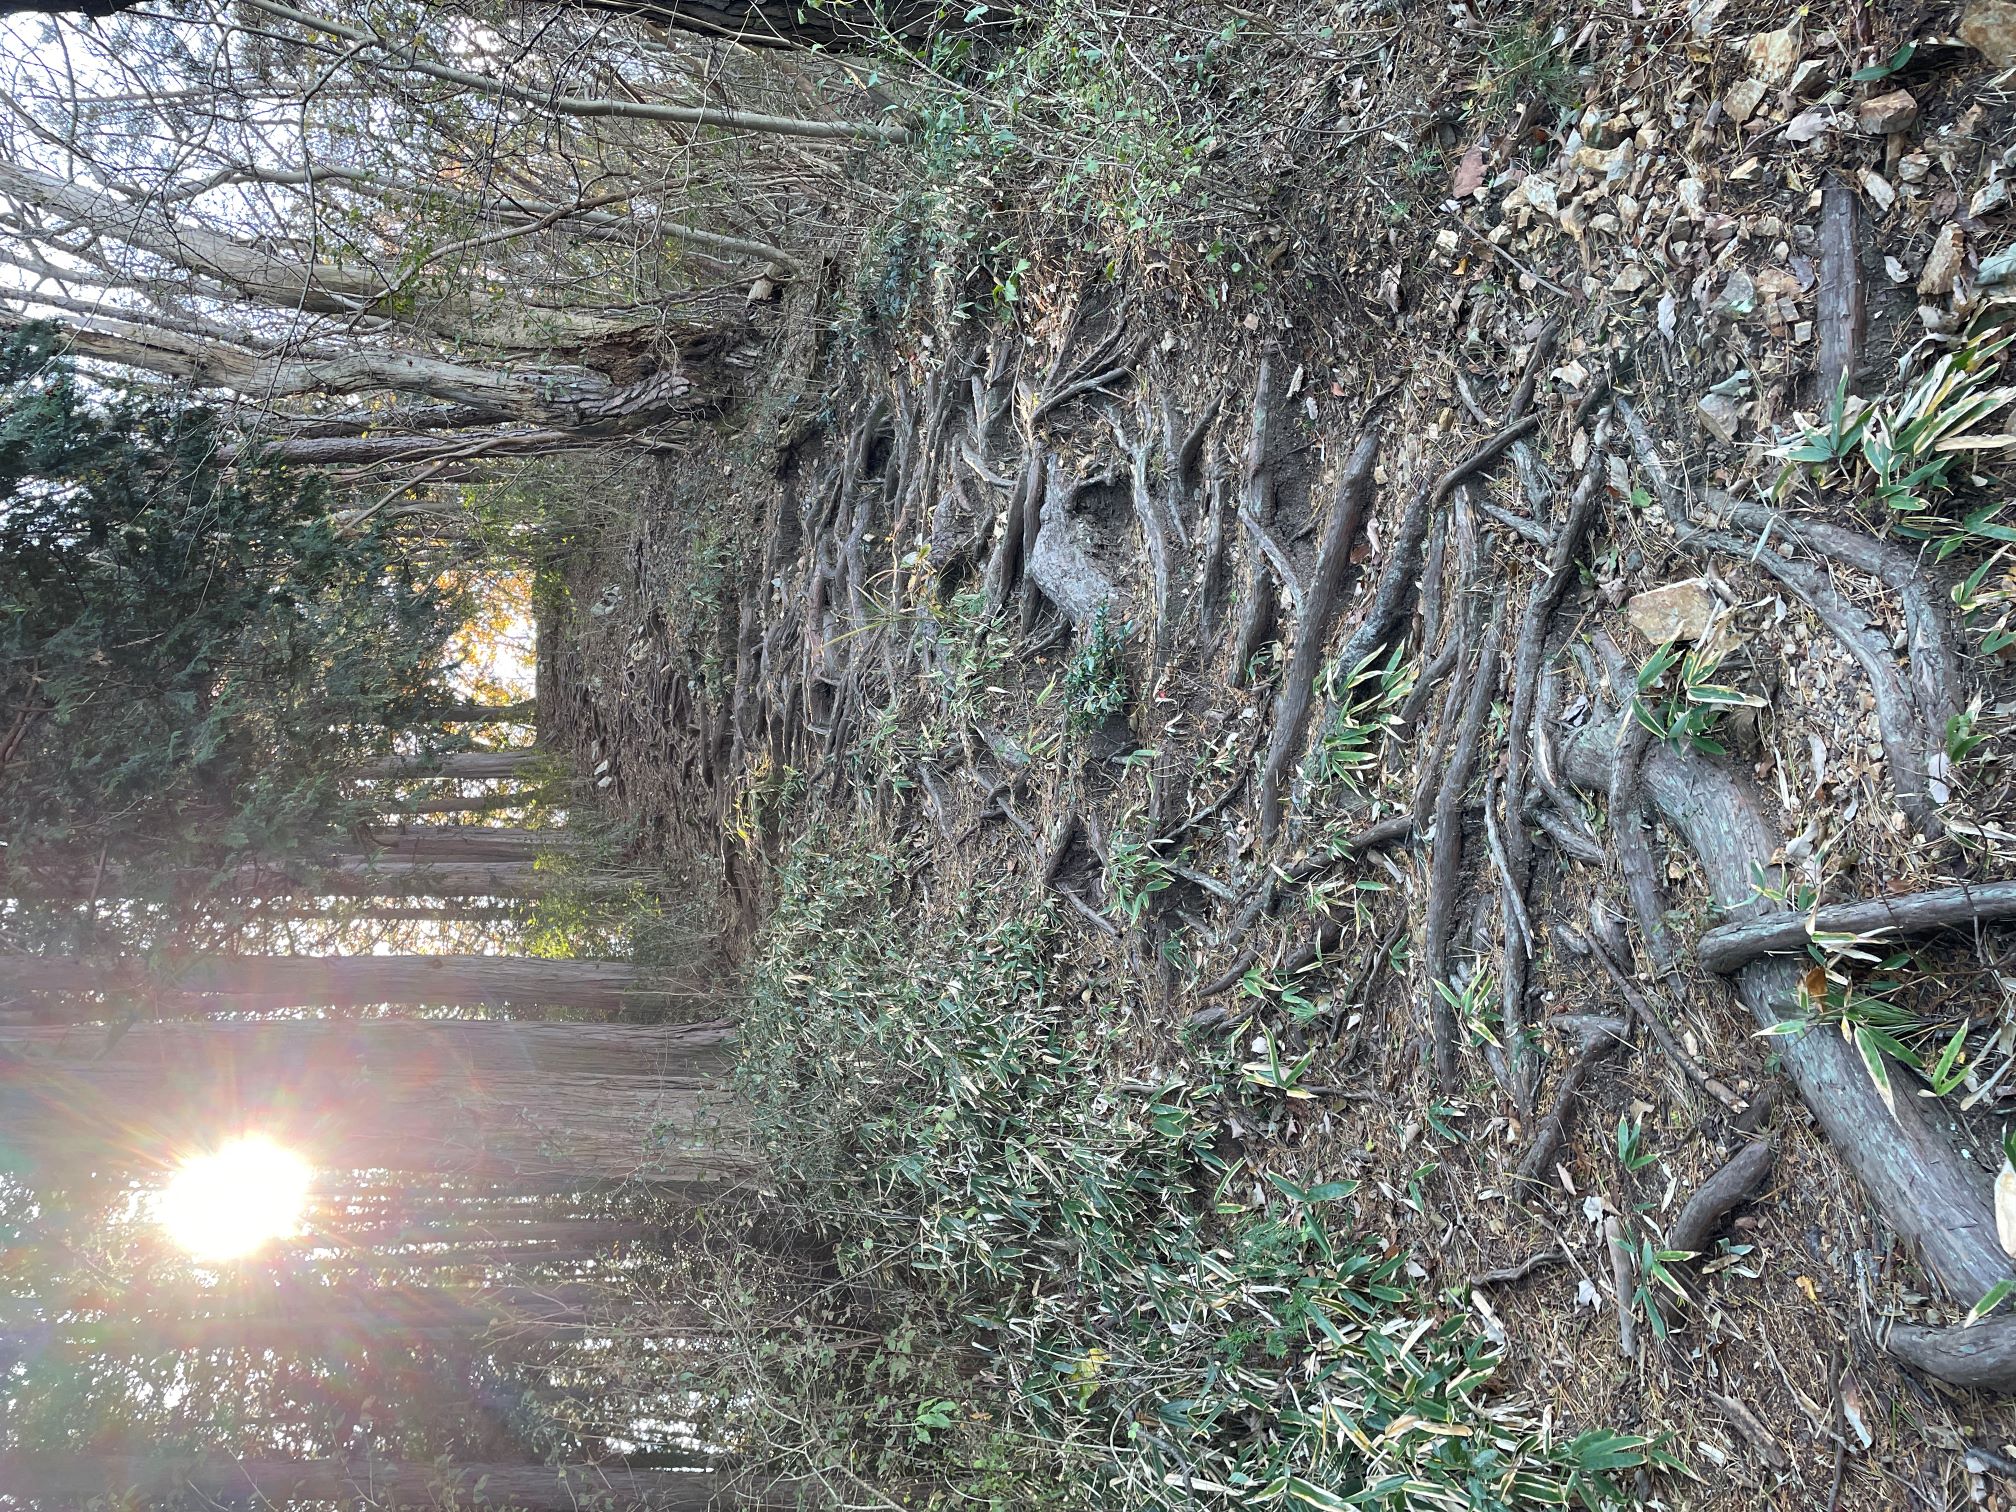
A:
[1991, 1299]
[1877, 71]
[1869, 1046]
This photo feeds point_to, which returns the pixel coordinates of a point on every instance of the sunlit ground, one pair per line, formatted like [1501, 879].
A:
[231, 1201]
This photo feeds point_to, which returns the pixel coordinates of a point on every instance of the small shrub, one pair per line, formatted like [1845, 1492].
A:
[1095, 683]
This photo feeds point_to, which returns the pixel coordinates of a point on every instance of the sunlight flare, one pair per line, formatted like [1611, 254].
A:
[228, 1202]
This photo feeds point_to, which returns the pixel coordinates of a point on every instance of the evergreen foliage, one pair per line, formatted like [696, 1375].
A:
[188, 654]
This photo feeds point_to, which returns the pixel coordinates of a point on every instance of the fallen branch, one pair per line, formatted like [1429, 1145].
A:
[1839, 316]
[1734, 946]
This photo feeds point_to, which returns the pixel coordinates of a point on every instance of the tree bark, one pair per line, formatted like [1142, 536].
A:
[586, 1103]
[379, 1484]
[263, 983]
[472, 766]
[430, 844]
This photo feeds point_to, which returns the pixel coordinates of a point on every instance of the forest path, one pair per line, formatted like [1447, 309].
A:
[1305, 650]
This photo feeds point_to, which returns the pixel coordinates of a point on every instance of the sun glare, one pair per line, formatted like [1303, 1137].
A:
[229, 1202]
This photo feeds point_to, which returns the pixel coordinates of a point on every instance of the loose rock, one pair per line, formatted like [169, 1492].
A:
[1895, 111]
[1677, 611]
[1945, 261]
[1989, 27]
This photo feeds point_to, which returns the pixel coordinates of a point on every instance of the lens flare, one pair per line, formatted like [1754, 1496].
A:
[227, 1203]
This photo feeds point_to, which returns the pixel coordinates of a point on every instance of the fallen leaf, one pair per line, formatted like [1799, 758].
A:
[1469, 173]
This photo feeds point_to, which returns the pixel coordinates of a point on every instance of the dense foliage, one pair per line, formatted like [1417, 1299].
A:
[189, 653]
[1088, 1297]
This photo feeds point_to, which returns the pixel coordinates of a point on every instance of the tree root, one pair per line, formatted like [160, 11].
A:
[1918, 1182]
[1317, 616]
[1446, 861]
[1551, 1133]
[1256, 502]
[1734, 946]
[1982, 1356]
[1914, 707]
[1739, 1180]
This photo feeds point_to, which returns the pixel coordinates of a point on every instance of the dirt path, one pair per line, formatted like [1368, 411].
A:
[1292, 635]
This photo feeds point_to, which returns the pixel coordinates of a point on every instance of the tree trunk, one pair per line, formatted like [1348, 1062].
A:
[306, 1319]
[580, 398]
[428, 844]
[483, 802]
[448, 1098]
[344, 875]
[362, 876]
[262, 983]
[392, 913]
[471, 766]
[524, 711]
[346, 1484]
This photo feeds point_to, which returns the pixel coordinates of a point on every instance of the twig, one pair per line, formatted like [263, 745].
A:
[1643, 1012]
[1746, 1423]
[1513, 262]
[1621, 1282]
[1506, 1274]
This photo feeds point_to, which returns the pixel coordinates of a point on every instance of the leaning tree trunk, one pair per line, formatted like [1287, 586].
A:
[309, 1319]
[584, 1103]
[476, 803]
[524, 711]
[61, 879]
[116, 1479]
[262, 983]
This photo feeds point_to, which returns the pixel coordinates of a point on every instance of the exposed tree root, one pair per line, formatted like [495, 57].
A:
[1446, 859]
[1983, 1356]
[1733, 946]
[1919, 1183]
[1256, 501]
[1317, 616]
[1737, 1182]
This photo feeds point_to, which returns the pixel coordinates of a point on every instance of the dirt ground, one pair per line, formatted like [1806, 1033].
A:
[836, 602]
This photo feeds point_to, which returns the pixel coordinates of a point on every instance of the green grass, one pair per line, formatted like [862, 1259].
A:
[1062, 1292]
